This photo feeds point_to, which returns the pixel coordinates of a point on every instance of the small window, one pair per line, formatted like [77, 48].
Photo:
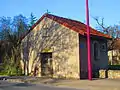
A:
[96, 51]
[82, 45]
[103, 47]
[45, 32]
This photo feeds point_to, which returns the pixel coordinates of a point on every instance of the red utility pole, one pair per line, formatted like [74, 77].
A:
[88, 43]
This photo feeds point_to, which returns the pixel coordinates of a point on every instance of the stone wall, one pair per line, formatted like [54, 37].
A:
[63, 43]
[111, 74]
[114, 57]
[102, 74]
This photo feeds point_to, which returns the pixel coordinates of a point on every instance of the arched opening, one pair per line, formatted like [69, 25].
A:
[96, 51]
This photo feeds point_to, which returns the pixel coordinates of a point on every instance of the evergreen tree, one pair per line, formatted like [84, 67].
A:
[32, 19]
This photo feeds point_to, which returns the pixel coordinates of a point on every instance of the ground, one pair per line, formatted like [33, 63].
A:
[25, 86]
[56, 84]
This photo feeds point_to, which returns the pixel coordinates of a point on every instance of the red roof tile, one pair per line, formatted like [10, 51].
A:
[73, 25]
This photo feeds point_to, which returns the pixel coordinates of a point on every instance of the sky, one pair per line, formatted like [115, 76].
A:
[73, 9]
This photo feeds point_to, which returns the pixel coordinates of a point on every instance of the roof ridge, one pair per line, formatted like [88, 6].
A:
[64, 18]
[78, 23]
[72, 24]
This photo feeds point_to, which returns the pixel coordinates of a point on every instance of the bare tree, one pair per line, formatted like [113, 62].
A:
[113, 31]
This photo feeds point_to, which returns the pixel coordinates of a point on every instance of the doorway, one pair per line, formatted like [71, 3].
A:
[46, 64]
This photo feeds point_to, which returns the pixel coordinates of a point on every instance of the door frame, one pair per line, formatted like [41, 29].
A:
[51, 64]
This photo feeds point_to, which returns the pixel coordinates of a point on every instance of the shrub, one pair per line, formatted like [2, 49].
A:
[114, 67]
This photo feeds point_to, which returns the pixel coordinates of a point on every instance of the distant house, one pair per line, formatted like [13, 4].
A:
[56, 47]
[114, 53]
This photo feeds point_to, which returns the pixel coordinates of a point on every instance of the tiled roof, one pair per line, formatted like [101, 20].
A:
[73, 25]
